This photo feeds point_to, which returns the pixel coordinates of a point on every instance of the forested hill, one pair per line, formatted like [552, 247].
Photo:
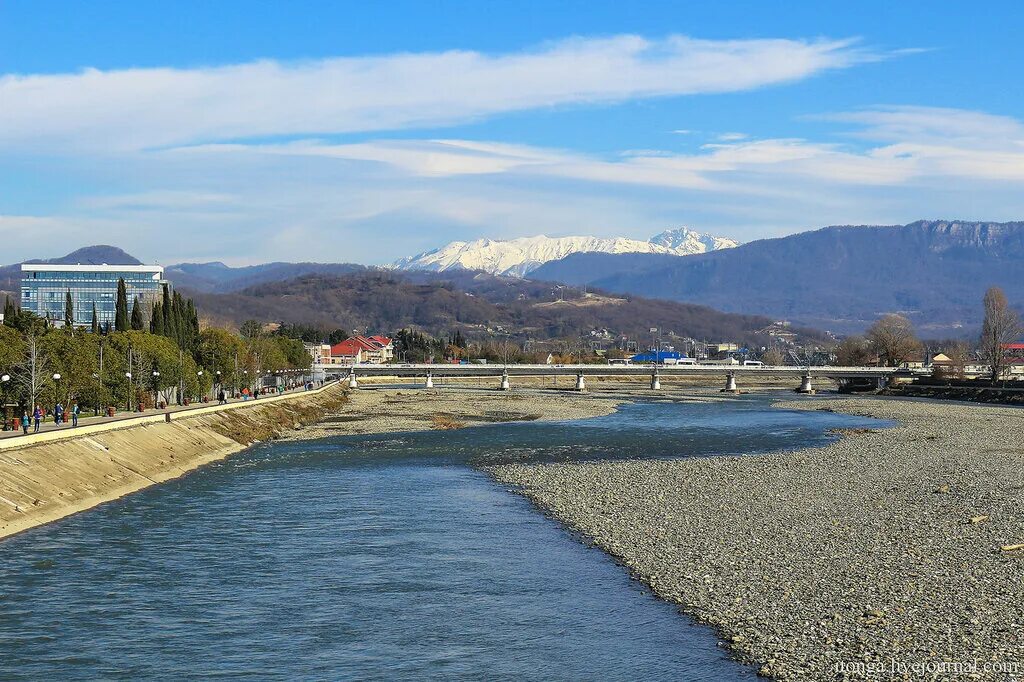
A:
[377, 301]
[839, 278]
[220, 278]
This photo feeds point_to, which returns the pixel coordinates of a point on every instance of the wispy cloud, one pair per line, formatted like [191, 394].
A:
[913, 145]
[731, 137]
[145, 108]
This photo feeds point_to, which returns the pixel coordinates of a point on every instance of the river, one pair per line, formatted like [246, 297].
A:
[369, 557]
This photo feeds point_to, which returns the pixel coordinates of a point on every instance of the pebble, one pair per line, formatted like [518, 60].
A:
[809, 560]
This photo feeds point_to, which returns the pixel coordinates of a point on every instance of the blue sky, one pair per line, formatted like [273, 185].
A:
[247, 132]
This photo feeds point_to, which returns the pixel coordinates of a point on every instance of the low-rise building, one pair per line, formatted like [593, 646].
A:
[319, 353]
[348, 352]
[375, 350]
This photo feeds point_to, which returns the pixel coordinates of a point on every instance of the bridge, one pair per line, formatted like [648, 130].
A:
[732, 374]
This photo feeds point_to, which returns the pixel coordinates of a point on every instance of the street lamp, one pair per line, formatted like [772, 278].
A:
[156, 382]
[56, 378]
[128, 376]
[3, 385]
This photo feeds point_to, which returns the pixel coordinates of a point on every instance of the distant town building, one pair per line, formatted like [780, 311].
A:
[44, 289]
[376, 350]
[319, 353]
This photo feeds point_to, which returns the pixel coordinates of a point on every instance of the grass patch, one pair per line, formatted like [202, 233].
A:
[446, 422]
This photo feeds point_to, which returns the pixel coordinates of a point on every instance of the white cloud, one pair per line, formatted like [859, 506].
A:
[424, 192]
[917, 146]
[731, 137]
[144, 108]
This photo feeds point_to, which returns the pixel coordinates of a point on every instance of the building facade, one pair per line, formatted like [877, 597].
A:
[44, 288]
[376, 350]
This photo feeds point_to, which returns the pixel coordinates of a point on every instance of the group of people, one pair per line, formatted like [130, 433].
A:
[60, 416]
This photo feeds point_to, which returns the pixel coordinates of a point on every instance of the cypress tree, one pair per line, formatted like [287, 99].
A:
[192, 322]
[69, 310]
[165, 309]
[10, 312]
[181, 320]
[137, 321]
[170, 323]
[156, 320]
[121, 308]
[95, 320]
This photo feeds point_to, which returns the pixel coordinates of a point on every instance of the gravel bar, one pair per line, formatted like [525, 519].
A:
[390, 410]
[888, 554]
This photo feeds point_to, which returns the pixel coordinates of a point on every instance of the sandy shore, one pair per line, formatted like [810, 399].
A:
[389, 410]
[891, 548]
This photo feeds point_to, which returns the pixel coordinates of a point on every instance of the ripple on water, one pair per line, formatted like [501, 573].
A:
[367, 557]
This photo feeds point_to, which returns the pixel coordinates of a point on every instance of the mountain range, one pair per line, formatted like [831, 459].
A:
[382, 300]
[519, 257]
[476, 303]
[840, 278]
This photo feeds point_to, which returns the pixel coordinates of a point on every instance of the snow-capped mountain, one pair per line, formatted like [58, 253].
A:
[517, 257]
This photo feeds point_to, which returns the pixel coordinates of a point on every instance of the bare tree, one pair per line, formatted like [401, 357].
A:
[959, 354]
[773, 357]
[892, 338]
[1002, 326]
[32, 374]
[853, 351]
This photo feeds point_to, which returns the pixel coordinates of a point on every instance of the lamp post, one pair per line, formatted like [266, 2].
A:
[156, 382]
[4, 379]
[56, 380]
[128, 378]
[199, 376]
[96, 399]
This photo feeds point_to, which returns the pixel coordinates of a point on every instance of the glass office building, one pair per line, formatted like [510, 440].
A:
[45, 287]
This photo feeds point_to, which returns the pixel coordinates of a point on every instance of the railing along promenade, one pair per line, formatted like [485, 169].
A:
[731, 373]
[93, 425]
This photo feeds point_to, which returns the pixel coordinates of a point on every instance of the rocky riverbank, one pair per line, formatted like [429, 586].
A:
[889, 554]
[389, 410]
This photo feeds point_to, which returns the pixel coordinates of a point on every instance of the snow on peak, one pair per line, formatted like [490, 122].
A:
[688, 242]
[517, 257]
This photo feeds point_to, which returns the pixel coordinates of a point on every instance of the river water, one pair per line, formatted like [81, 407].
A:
[369, 557]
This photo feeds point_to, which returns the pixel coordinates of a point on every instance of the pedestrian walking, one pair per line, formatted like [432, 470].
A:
[25, 421]
[58, 414]
[37, 416]
[75, 410]
[222, 397]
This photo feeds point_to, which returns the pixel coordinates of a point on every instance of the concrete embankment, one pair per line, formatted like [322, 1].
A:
[49, 476]
[1005, 395]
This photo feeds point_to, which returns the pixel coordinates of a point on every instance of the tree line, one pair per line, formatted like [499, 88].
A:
[161, 355]
[892, 341]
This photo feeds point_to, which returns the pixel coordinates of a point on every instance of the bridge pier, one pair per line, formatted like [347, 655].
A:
[805, 384]
[504, 382]
[580, 384]
[730, 382]
[429, 383]
[655, 382]
[352, 383]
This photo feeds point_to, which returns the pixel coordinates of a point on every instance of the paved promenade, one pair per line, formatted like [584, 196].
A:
[87, 419]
